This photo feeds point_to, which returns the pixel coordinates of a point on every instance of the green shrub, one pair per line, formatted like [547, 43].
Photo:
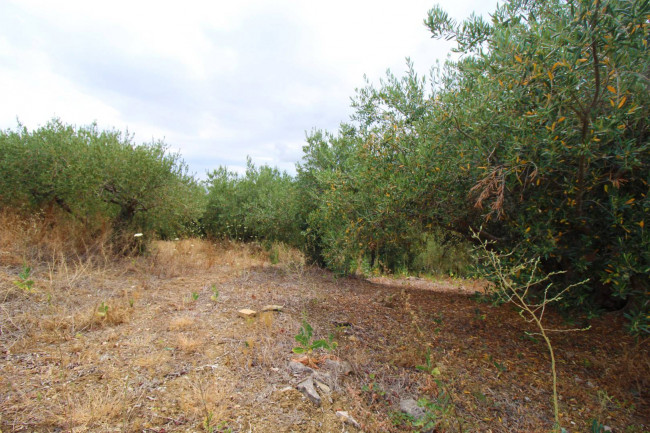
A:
[98, 177]
[261, 205]
[538, 134]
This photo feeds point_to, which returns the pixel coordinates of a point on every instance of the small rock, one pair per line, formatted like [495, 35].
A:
[410, 407]
[323, 387]
[347, 419]
[607, 428]
[246, 313]
[299, 368]
[322, 376]
[307, 388]
[338, 367]
[272, 308]
[578, 380]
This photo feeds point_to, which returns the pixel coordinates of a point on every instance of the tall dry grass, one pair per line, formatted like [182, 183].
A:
[51, 236]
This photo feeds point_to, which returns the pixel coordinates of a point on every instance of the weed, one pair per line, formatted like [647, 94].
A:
[479, 315]
[194, 296]
[439, 409]
[215, 293]
[597, 427]
[307, 344]
[25, 283]
[274, 255]
[428, 367]
[102, 310]
[399, 418]
[501, 367]
[639, 320]
[373, 389]
[519, 295]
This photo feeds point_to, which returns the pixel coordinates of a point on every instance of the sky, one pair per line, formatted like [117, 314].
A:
[217, 81]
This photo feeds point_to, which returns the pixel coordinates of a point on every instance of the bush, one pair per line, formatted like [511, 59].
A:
[98, 178]
[538, 134]
[261, 205]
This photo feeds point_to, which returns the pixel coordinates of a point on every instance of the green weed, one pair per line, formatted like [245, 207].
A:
[307, 344]
[102, 310]
[215, 293]
[25, 283]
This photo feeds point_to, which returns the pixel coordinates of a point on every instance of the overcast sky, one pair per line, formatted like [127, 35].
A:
[215, 80]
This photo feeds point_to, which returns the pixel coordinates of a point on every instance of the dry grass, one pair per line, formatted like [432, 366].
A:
[156, 359]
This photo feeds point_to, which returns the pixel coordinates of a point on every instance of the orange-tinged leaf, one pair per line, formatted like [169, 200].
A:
[630, 201]
[641, 223]
[623, 99]
[517, 58]
[550, 75]
[611, 89]
[611, 102]
[561, 119]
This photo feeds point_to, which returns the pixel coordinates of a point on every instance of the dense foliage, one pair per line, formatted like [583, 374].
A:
[260, 205]
[537, 136]
[98, 178]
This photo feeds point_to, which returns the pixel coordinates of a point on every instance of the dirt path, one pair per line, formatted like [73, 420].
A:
[146, 347]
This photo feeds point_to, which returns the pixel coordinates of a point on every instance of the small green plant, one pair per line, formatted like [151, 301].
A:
[215, 293]
[639, 320]
[399, 418]
[306, 343]
[25, 283]
[207, 421]
[479, 315]
[194, 296]
[373, 386]
[429, 367]
[102, 311]
[373, 391]
[597, 427]
[439, 409]
[274, 255]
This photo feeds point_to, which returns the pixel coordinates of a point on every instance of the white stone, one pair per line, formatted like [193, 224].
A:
[307, 388]
[410, 407]
[346, 418]
[246, 313]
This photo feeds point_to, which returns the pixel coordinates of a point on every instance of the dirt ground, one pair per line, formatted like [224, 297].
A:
[154, 344]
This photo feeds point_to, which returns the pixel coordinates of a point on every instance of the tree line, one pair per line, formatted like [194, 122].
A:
[535, 138]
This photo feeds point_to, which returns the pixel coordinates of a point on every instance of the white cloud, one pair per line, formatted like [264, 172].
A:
[217, 80]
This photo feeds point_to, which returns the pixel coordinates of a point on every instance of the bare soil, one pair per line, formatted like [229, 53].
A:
[141, 345]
